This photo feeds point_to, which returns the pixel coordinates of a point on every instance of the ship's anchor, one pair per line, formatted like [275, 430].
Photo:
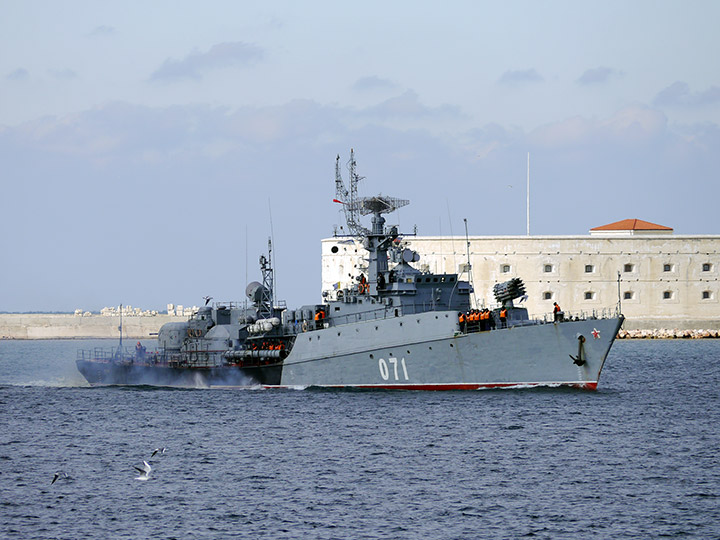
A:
[579, 359]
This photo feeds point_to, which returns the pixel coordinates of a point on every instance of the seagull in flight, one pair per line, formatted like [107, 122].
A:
[144, 472]
[158, 451]
[59, 475]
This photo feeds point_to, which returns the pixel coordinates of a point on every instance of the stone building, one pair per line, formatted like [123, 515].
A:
[659, 279]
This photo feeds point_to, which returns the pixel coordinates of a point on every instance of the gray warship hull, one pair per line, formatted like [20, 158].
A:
[428, 353]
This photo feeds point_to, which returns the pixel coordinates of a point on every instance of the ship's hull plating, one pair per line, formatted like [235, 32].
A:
[425, 353]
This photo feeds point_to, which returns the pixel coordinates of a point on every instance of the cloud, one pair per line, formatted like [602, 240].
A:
[520, 76]
[627, 127]
[372, 83]
[102, 30]
[678, 94]
[20, 74]
[196, 64]
[66, 74]
[598, 76]
[408, 105]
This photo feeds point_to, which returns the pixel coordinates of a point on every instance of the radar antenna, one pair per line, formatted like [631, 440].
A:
[355, 206]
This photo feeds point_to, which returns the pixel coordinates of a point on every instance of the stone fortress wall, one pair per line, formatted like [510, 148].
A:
[662, 281]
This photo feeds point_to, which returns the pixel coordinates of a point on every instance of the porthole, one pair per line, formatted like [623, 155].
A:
[334, 249]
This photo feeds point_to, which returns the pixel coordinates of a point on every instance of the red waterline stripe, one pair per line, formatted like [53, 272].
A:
[447, 386]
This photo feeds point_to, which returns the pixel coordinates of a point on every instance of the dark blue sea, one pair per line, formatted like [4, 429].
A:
[636, 459]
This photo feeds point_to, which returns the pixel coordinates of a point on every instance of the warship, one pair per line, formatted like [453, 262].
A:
[393, 327]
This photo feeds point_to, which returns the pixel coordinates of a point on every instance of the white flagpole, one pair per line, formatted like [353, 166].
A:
[528, 195]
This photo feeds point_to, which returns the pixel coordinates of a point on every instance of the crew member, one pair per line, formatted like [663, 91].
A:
[139, 351]
[462, 318]
[557, 312]
[503, 317]
[319, 316]
[363, 287]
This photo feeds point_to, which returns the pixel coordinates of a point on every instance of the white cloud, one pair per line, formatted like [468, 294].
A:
[20, 74]
[196, 64]
[598, 75]
[679, 94]
[521, 76]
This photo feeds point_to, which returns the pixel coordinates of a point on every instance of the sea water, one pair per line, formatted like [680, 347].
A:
[636, 459]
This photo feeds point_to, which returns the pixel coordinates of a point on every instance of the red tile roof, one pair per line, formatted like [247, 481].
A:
[632, 225]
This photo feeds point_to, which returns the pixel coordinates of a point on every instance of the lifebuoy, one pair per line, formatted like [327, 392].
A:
[304, 326]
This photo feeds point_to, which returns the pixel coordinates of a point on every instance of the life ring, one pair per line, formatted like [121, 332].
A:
[304, 326]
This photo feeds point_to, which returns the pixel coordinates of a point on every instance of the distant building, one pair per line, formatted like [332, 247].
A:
[660, 280]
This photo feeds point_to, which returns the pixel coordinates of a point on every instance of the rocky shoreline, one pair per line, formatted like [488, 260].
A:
[673, 333]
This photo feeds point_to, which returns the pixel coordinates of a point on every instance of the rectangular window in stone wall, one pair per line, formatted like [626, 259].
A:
[667, 295]
[628, 295]
[589, 268]
[667, 267]
[629, 268]
[589, 295]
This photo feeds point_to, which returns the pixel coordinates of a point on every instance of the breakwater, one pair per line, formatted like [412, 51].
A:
[672, 333]
[62, 326]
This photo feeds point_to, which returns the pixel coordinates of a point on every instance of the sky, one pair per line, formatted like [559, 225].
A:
[149, 150]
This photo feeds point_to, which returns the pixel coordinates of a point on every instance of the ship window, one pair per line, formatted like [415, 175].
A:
[589, 295]
[707, 267]
[435, 280]
[505, 268]
[628, 295]
[706, 295]
[547, 295]
[667, 267]
[629, 268]
[589, 268]
[452, 279]
[334, 249]
[667, 295]
[547, 268]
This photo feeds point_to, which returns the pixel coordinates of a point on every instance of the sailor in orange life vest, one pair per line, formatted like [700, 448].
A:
[319, 316]
[557, 312]
[503, 317]
[461, 319]
[363, 287]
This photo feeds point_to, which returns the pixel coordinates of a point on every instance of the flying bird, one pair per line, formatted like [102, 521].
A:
[158, 451]
[144, 472]
[59, 475]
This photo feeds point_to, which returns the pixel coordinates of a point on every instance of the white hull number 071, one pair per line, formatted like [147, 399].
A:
[390, 367]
